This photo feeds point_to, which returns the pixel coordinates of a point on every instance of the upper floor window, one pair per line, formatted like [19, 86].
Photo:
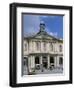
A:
[51, 47]
[38, 45]
[44, 46]
[25, 46]
[60, 48]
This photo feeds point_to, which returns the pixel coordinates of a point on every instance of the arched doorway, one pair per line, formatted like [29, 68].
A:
[52, 61]
[37, 62]
[44, 61]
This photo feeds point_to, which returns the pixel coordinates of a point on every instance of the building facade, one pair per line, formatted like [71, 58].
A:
[41, 51]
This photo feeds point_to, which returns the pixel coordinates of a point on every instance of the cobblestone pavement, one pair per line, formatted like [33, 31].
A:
[48, 71]
[44, 71]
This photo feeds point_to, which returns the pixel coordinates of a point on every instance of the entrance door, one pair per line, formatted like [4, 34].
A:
[44, 61]
[36, 60]
[52, 61]
[37, 63]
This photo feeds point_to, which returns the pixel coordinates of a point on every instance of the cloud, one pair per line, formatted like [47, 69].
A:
[48, 30]
[55, 34]
[30, 24]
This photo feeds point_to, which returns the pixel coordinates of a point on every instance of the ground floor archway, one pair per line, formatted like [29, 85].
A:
[37, 60]
[44, 61]
[38, 64]
[51, 61]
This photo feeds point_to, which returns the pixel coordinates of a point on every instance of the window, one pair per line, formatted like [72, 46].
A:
[60, 48]
[38, 45]
[60, 60]
[51, 47]
[25, 46]
[44, 46]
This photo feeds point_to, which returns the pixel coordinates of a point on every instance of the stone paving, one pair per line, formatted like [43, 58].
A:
[44, 71]
[48, 71]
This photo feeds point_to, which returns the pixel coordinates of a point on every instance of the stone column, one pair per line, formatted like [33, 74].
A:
[40, 58]
[41, 64]
[33, 64]
[29, 64]
[48, 61]
[32, 61]
[55, 61]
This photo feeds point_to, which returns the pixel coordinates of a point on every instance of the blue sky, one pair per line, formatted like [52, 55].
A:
[53, 23]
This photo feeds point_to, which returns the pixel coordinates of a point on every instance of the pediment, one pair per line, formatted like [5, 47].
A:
[43, 37]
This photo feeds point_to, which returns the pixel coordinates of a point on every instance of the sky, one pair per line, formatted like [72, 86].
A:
[53, 24]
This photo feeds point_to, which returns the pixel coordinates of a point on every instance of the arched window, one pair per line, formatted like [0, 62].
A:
[51, 47]
[25, 46]
[44, 46]
[38, 45]
[60, 48]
